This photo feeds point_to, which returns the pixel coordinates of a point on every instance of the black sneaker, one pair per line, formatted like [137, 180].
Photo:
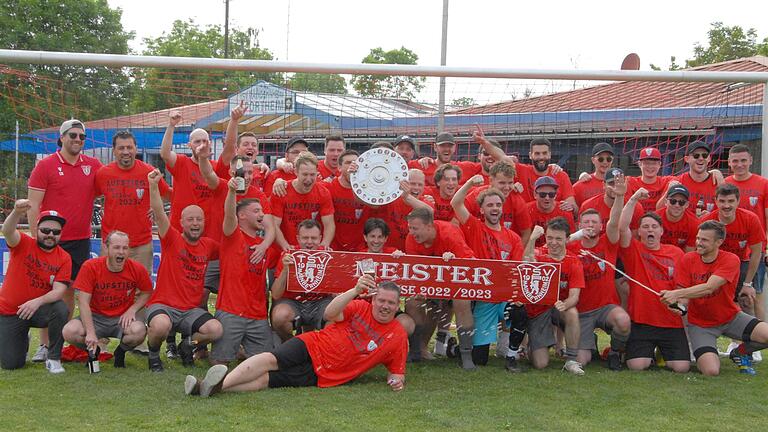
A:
[186, 352]
[171, 352]
[511, 365]
[614, 361]
[119, 357]
[155, 364]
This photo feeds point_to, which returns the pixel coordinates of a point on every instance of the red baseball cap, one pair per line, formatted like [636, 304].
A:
[650, 153]
[51, 215]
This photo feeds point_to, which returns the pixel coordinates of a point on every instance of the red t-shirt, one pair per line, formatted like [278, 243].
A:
[295, 207]
[347, 349]
[740, 234]
[324, 172]
[655, 190]
[274, 175]
[126, 201]
[600, 289]
[468, 169]
[598, 203]
[717, 308]
[654, 269]
[753, 195]
[527, 176]
[31, 273]
[394, 214]
[586, 189]
[443, 209]
[189, 187]
[448, 238]
[112, 293]
[571, 277]
[539, 218]
[699, 191]
[182, 270]
[222, 172]
[297, 295]
[514, 213]
[69, 190]
[242, 288]
[349, 215]
[681, 233]
[214, 218]
[488, 243]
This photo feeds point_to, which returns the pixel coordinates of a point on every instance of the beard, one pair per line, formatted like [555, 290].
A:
[541, 165]
[43, 246]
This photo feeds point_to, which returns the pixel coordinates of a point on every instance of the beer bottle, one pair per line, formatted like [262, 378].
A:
[93, 360]
[240, 177]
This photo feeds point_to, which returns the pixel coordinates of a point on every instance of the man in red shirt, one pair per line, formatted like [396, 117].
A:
[126, 198]
[245, 144]
[590, 185]
[241, 304]
[603, 202]
[328, 168]
[652, 264]
[679, 225]
[285, 168]
[541, 156]
[65, 182]
[38, 274]
[429, 237]
[175, 302]
[649, 162]
[445, 149]
[708, 279]
[447, 179]
[107, 295]
[544, 207]
[564, 313]
[349, 212]
[405, 146]
[700, 182]
[363, 336]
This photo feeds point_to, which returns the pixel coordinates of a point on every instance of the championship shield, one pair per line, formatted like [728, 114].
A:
[378, 176]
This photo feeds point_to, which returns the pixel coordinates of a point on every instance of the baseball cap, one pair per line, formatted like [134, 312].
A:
[444, 138]
[406, 138]
[692, 147]
[611, 174]
[678, 190]
[650, 153]
[545, 181]
[69, 124]
[602, 147]
[51, 215]
[295, 140]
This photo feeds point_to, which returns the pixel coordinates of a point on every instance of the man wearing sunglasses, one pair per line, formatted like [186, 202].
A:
[545, 207]
[680, 226]
[590, 185]
[700, 182]
[66, 181]
[650, 163]
[30, 296]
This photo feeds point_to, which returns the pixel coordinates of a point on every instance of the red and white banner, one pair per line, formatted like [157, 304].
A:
[461, 279]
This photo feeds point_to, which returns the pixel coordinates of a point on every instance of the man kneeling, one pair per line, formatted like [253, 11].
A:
[362, 335]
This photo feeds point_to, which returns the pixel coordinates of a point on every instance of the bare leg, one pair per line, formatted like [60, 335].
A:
[282, 321]
[252, 374]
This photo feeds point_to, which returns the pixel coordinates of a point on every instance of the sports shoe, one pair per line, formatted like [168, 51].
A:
[186, 352]
[213, 381]
[511, 365]
[41, 354]
[745, 365]
[441, 348]
[573, 367]
[614, 361]
[731, 346]
[191, 386]
[171, 352]
[155, 364]
[54, 366]
[757, 357]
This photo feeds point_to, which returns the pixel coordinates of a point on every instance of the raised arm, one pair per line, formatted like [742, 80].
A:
[457, 202]
[335, 310]
[166, 148]
[626, 216]
[530, 247]
[156, 203]
[230, 137]
[35, 198]
[10, 232]
[612, 226]
[206, 170]
[230, 205]
[497, 153]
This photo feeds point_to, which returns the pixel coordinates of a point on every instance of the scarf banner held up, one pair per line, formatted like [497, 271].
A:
[493, 281]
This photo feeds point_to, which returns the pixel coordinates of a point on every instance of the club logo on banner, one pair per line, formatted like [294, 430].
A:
[536, 280]
[310, 268]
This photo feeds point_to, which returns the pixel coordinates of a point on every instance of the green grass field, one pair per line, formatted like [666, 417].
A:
[438, 396]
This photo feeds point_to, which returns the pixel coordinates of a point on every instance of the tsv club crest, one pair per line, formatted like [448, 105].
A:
[139, 193]
[508, 225]
[86, 169]
[742, 244]
[358, 213]
[601, 266]
[753, 201]
[710, 206]
[670, 271]
[314, 215]
[648, 151]
[310, 268]
[535, 280]
[51, 280]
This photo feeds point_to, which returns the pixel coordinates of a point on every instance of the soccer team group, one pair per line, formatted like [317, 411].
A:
[664, 264]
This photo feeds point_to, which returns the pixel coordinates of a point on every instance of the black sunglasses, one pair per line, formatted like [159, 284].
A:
[73, 135]
[680, 202]
[602, 159]
[700, 155]
[48, 231]
[547, 194]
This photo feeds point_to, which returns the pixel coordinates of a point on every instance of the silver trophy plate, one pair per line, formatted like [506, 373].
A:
[378, 176]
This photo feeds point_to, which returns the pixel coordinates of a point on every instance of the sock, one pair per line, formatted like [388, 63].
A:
[570, 353]
[465, 346]
[480, 354]
[414, 343]
[618, 341]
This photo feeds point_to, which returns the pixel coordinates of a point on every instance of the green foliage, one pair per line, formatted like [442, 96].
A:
[400, 87]
[164, 88]
[672, 65]
[463, 102]
[317, 82]
[725, 43]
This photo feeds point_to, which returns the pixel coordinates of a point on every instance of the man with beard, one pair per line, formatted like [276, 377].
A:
[65, 182]
[679, 225]
[328, 168]
[700, 182]
[126, 199]
[488, 239]
[286, 170]
[604, 202]
[174, 305]
[38, 274]
[405, 146]
[590, 185]
[109, 305]
[708, 278]
[245, 144]
[445, 149]
[363, 336]
[447, 179]
[541, 156]
[652, 264]
[545, 207]
[349, 212]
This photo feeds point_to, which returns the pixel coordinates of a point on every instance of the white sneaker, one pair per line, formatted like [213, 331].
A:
[441, 348]
[573, 367]
[757, 356]
[41, 354]
[54, 366]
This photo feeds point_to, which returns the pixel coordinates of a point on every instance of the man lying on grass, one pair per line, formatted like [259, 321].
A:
[362, 335]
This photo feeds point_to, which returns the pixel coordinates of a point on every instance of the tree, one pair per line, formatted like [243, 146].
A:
[725, 43]
[672, 65]
[44, 95]
[400, 87]
[156, 89]
[463, 102]
[317, 82]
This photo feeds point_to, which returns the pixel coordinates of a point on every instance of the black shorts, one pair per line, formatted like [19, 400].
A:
[79, 251]
[672, 342]
[294, 366]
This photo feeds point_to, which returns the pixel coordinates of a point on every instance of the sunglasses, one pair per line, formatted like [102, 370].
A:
[73, 135]
[48, 231]
[547, 194]
[700, 155]
[680, 202]
[602, 159]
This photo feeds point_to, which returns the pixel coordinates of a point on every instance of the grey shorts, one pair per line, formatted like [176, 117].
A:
[704, 339]
[311, 312]
[212, 274]
[591, 320]
[540, 331]
[254, 335]
[184, 322]
[106, 327]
